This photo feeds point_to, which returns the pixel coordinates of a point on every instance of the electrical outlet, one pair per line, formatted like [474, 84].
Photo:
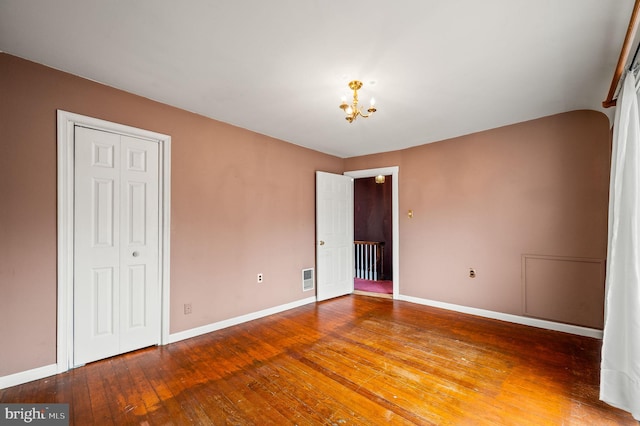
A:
[259, 278]
[187, 308]
[472, 273]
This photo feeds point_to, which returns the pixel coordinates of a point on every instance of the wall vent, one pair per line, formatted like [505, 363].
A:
[308, 279]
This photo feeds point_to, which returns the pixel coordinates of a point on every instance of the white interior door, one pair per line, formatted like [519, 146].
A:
[116, 245]
[334, 233]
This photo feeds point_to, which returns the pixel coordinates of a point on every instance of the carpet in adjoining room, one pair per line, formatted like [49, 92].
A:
[371, 286]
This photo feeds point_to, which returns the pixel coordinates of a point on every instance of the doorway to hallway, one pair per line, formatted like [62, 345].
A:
[376, 231]
[373, 235]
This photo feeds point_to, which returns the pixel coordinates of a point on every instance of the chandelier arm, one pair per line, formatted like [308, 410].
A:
[371, 111]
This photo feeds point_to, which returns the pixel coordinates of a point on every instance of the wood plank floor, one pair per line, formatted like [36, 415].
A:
[352, 360]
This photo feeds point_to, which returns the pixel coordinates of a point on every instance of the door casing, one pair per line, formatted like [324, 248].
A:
[65, 141]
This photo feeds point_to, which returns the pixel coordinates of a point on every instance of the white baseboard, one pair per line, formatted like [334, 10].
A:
[28, 376]
[176, 337]
[534, 322]
[50, 370]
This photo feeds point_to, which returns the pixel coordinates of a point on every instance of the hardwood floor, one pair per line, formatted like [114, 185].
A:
[352, 360]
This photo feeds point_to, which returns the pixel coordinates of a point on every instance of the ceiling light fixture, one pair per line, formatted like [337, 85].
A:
[380, 179]
[352, 111]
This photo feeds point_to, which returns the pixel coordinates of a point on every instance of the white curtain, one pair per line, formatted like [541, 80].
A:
[620, 368]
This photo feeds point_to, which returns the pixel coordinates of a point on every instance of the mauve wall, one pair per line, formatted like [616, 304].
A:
[242, 203]
[486, 199]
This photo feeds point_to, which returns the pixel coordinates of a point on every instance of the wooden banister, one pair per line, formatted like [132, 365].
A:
[624, 55]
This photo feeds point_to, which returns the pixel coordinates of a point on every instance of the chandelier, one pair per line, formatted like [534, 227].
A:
[352, 111]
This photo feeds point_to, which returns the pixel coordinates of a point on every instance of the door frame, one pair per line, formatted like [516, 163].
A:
[395, 217]
[65, 183]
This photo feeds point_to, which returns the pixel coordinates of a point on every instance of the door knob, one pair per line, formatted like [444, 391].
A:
[135, 254]
[321, 243]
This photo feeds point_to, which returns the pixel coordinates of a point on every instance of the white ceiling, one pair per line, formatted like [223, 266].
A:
[440, 69]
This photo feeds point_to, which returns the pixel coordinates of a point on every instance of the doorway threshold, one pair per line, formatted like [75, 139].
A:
[372, 294]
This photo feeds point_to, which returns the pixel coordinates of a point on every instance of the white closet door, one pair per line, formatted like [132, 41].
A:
[139, 285]
[116, 286]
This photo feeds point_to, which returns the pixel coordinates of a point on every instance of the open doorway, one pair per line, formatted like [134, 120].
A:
[373, 244]
[376, 232]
